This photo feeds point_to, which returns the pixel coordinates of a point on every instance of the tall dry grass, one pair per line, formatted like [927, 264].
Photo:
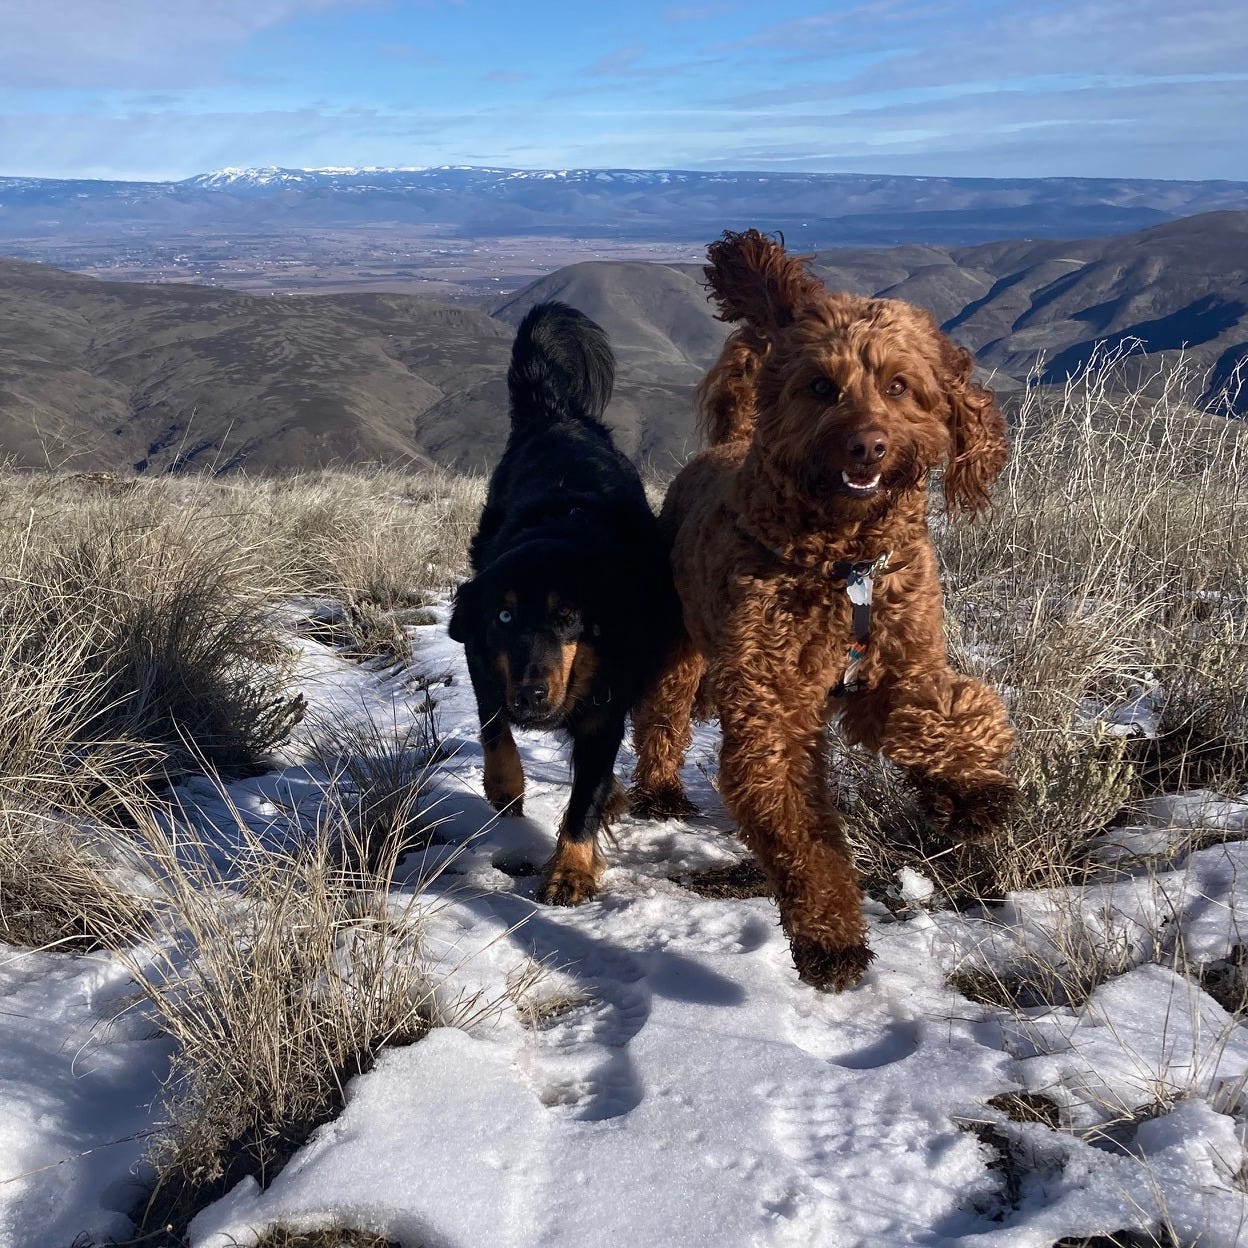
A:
[141, 640]
[143, 644]
[279, 979]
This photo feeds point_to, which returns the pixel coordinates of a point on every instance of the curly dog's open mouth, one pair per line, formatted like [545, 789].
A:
[861, 484]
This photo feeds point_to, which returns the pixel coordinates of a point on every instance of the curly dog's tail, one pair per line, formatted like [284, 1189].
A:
[726, 403]
[561, 369]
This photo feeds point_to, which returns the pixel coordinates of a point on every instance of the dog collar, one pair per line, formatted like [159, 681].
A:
[860, 587]
[859, 577]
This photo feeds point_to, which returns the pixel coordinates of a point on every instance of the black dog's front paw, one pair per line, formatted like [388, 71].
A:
[567, 888]
[571, 876]
[506, 804]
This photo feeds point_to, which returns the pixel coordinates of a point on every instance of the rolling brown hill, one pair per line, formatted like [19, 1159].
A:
[120, 376]
[110, 375]
[1177, 287]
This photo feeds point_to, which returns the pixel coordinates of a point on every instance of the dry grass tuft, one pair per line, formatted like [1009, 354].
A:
[279, 981]
[379, 784]
[330, 1237]
[1028, 1107]
[59, 884]
[382, 538]
[138, 646]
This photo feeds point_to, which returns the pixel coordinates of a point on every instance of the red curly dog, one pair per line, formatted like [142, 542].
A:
[824, 415]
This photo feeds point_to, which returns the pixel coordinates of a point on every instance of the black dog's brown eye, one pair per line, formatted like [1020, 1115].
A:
[504, 616]
[823, 388]
[896, 388]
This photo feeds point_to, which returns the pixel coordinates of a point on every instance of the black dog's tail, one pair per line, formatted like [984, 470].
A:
[561, 368]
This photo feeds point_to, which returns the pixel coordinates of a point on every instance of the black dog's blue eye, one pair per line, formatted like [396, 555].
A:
[504, 616]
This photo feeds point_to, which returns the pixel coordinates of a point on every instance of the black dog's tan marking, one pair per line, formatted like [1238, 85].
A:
[571, 609]
[573, 872]
[504, 776]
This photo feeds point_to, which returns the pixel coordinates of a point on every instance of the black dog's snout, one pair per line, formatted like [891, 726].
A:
[867, 446]
[531, 699]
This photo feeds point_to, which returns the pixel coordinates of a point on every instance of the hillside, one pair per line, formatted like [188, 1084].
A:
[1177, 287]
[121, 376]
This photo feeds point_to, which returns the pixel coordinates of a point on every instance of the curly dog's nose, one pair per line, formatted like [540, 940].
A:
[867, 446]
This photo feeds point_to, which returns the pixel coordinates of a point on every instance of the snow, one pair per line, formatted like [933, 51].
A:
[78, 1072]
[688, 1090]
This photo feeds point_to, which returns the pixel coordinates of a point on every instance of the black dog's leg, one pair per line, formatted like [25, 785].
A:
[573, 872]
[504, 776]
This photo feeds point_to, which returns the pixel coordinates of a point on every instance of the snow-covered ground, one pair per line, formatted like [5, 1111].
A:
[683, 1087]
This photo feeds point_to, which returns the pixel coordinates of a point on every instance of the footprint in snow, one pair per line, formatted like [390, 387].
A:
[862, 1043]
[581, 1063]
[710, 929]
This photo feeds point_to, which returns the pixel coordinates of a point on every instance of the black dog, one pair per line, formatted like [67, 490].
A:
[571, 611]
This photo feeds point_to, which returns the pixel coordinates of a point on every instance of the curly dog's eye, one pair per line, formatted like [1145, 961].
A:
[824, 388]
[896, 388]
[504, 616]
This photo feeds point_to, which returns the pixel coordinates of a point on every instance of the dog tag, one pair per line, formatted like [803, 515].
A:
[861, 585]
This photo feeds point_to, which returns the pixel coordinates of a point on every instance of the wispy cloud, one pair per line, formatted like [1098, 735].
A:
[952, 86]
[86, 44]
[614, 64]
[166, 144]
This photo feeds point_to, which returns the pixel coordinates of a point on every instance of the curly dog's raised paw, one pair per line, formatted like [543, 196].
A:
[969, 814]
[830, 970]
[665, 803]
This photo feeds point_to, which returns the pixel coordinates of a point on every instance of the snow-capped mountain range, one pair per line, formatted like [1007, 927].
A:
[814, 209]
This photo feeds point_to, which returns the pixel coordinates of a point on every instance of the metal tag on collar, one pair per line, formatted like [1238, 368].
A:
[860, 587]
[860, 583]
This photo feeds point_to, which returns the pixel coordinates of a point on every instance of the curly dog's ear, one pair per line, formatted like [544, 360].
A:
[976, 434]
[754, 279]
[466, 614]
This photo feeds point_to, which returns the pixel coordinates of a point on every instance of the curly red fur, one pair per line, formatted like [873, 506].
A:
[823, 416]
[754, 279]
[725, 398]
[977, 430]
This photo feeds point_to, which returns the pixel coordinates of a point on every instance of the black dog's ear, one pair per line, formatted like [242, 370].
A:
[466, 613]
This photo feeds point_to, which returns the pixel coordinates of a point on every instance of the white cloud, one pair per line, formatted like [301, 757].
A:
[930, 42]
[141, 44]
[163, 145]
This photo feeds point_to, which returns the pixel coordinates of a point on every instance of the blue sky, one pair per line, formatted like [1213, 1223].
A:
[987, 88]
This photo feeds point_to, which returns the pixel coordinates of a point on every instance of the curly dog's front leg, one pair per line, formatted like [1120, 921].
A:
[952, 734]
[773, 778]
